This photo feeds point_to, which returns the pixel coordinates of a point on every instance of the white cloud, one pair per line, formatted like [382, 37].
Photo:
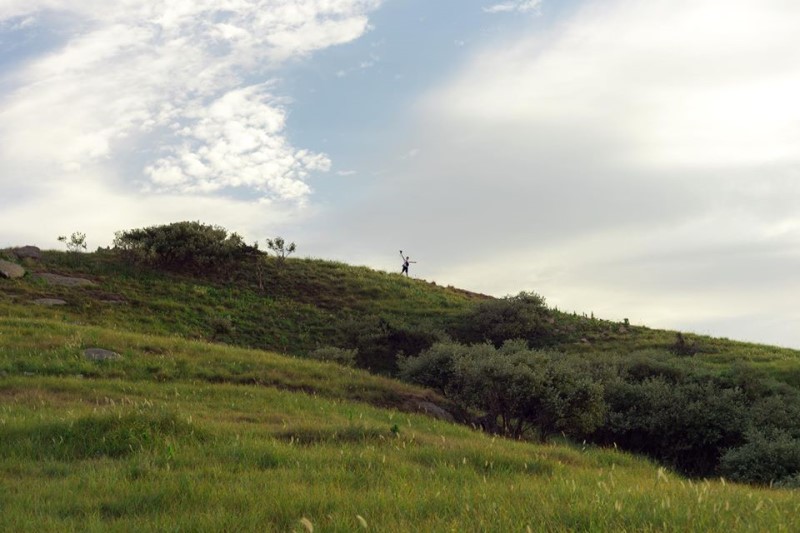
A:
[680, 83]
[521, 6]
[237, 141]
[175, 74]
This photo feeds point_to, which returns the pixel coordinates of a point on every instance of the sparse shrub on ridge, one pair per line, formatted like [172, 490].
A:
[75, 243]
[279, 247]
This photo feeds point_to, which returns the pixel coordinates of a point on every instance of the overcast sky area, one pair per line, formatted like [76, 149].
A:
[629, 159]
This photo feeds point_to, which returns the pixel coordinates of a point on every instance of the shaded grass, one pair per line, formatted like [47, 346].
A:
[109, 435]
[48, 348]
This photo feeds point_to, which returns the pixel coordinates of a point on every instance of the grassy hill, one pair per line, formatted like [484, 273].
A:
[212, 419]
[299, 304]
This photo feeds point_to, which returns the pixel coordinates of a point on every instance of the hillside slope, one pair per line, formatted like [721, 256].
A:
[185, 435]
[290, 307]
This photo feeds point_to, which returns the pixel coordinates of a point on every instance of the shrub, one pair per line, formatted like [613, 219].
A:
[183, 245]
[688, 425]
[434, 368]
[683, 347]
[75, 243]
[516, 389]
[280, 248]
[333, 354]
[380, 342]
[763, 459]
[523, 316]
[221, 326]
[778, 412]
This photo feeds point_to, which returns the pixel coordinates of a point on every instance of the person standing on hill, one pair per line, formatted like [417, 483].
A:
[406, 262]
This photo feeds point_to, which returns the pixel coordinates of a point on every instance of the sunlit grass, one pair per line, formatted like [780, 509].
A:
[186, 434]
[250, 458]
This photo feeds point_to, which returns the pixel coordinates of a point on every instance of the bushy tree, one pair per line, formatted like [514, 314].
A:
[524, 316]
[183, 245]
[434, 368]
[380, 341]
[516, 389]
[688, 425]
[766, 457]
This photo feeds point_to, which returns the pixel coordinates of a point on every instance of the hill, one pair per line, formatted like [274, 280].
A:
[199, 424]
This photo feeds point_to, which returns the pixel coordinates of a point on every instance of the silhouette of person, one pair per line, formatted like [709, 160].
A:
[406, 262]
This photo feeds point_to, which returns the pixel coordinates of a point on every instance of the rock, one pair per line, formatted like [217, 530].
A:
[432, 409]
[27, 252]
[99, 354]
[11, 270]
[55, 279]
[49, 301]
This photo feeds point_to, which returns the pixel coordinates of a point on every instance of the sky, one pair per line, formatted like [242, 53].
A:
[629, 159]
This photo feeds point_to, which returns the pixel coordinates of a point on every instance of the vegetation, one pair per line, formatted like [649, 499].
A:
[183, 246]
[518, 389]
[182, 434]
[197, 427]
[76, 242]
[280, 248]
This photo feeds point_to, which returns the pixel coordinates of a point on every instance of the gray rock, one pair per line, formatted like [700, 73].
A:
[99, 354]
[65, 281]
[431, 409]
[27, 252]
[49, 301]
[11, 270]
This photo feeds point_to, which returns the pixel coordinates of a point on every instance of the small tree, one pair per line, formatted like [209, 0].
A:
[280, 248]
[75, 243]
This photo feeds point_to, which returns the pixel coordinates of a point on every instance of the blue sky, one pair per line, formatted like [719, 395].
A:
[633, 159]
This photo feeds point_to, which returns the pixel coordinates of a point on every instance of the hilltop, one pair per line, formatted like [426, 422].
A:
[212, 414]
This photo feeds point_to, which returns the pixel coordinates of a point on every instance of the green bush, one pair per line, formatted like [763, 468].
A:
[183, 245]
[687, 425]
[516, 389]
[434, 368]
[778, 412]
[523, 316]
[765, 458]
[380, 342]
[341, 356]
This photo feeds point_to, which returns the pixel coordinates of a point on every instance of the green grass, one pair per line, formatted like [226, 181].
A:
[232, 457]
[301, 304]
[32, 347]
[193, 430]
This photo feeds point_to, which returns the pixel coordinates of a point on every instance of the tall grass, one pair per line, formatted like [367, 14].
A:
[231, 457]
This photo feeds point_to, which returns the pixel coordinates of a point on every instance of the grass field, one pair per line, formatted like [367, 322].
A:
[186, 435]
[196, 429]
